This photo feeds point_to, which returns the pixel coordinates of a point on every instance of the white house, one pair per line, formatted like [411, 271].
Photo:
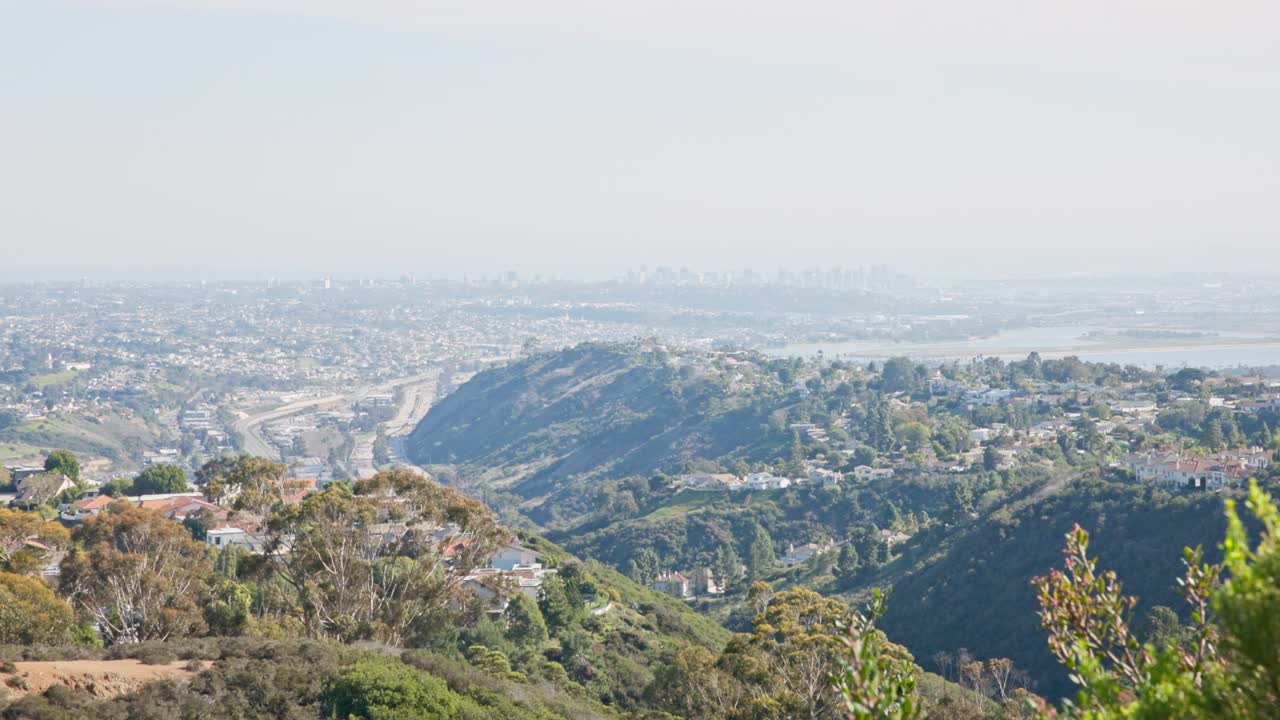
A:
[228, 536]
[766, 481]
[797, 554]
[514, 555]
[866, 472]
[824, 477]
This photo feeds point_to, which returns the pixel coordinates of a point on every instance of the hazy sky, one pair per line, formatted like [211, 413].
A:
[580, 137]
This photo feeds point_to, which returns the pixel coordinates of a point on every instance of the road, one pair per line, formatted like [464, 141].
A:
[417, 400]
[254, 444]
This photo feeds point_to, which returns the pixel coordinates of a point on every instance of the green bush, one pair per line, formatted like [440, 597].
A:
[388, 690]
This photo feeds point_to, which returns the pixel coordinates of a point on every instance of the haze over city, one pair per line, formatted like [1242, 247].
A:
[214, 138]
[639, 360]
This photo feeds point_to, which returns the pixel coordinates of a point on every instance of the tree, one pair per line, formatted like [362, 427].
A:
[387, 690]
[198, 524]
[880, 425]
[1002, 672]
[760, 556]
[1213, 438]
[159, 479]
[898, 375]
[138, 575]
[1245, 606]
[31, 614]
[727, 568]
[915, 435]
[872, 551]
[525, 625]
[227, 611]
[847, 565]
[643, 567]
[385, 559]
[118, 488]
[242, 482]
[990, 458]
[1224, 666]
[18, 554]
[876, 681]
[794, 648]
[1161, 627]
[65, 462]
[556, 607]
[693, 687]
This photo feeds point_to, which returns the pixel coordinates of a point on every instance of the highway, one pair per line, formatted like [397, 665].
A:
[254, 444]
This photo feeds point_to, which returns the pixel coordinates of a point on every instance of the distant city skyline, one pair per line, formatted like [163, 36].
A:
[657, 275]
[239, 138]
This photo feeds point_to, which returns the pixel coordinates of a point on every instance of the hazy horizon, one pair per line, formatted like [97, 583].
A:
[225, 138]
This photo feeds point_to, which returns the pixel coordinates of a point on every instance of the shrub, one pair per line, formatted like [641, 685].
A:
[155, 654]
[388, 690]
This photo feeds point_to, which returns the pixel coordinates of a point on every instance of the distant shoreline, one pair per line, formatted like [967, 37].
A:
[975, 348]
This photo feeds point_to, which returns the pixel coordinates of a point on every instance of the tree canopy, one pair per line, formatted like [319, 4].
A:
[65, 462]
[139, 575]
[159, 479]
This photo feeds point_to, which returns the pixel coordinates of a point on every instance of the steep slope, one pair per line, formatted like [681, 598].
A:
[596, 411]
[973, 589]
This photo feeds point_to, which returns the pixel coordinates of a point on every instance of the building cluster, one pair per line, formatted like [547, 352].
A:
[728, 482]
[1206, 472]
[700, 582]
[513, 568]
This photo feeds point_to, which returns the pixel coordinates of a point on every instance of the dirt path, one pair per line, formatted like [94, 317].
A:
[100, 678]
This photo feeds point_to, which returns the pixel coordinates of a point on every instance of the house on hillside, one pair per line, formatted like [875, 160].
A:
[797, 554]
[1203, 473]
[674, 584]
[705, 582]
[175, 506]
[36, 490]
[866, 472]
[179, 507]
[824, 477]
[765, 481]
[297, 489]
[708, 481]
[228, 536]
[513, 555]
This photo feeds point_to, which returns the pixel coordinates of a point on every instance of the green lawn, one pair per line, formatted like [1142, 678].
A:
[687, 502]
[54, 378]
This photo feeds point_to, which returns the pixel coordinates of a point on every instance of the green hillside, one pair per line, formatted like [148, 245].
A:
[971, 588]
[598, 411]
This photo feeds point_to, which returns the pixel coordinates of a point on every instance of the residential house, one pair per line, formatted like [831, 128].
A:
[35, 490]
[797, 554]
[297, 489]
[175, 506]
[674, 584]
[229, 536]
[1208, 473]
[892, 538]
[823, 477]
[706, 583]
[179, 506]
[866, 472]
[708, 481]
[513, 555]
[765, 481]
